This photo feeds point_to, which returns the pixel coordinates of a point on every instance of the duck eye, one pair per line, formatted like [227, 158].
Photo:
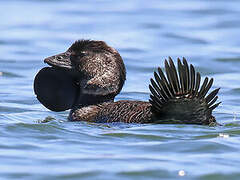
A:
[83, 53]
[59, 57]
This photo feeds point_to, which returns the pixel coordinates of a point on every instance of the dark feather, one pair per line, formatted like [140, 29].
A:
[170, 77]
[192, 70]
[159, 92]
[186, 69]
[181, 75]
[155, 95]
[162, 85]
[214, 106]
[174, 75]
[198, 79]
[213, 101]
[212, 95]
[165, 82]
[176, 95]
[203, 87]
[206, 89]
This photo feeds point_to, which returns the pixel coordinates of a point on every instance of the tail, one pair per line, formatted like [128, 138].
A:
[179, 98]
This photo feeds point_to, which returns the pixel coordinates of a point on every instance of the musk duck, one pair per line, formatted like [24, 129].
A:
[87, 77]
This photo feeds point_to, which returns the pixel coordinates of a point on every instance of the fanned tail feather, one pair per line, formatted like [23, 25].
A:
[178, 97]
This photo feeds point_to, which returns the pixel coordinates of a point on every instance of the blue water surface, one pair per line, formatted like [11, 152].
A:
[144, 33]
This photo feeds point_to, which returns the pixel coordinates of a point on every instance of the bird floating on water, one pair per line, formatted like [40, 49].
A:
[87, 77]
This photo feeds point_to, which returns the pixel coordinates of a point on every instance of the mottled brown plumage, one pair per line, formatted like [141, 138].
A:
[97, 68]
[120, 111]
[99, 73]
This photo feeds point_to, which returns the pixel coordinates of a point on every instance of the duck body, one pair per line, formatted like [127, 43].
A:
[120, 111]
[91, 74]
[176, 111]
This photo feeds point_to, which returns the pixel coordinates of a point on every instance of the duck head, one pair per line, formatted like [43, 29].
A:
[89, 72]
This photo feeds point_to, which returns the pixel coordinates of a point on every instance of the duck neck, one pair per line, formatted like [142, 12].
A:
[84, 100]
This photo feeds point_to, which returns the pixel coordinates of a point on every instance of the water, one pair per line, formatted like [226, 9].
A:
[144, 32]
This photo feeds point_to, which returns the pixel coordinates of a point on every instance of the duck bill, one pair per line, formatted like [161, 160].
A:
[62, 60]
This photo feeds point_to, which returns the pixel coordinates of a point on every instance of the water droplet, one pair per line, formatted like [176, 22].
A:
[223, 135]
[181, 173]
